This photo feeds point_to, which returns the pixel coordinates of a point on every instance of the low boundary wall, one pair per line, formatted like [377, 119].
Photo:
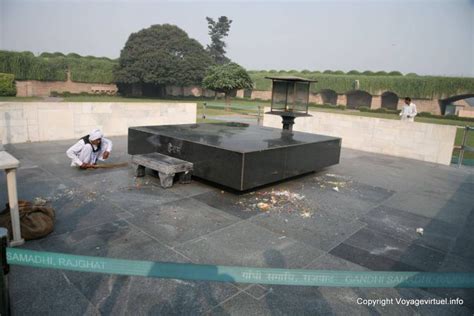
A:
[421, 141]
[46, 121]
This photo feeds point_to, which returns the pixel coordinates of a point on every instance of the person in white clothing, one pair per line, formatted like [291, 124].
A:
[90, 148]
[408, 112]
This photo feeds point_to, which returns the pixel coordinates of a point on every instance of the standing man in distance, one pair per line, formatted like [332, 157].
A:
[408, 112]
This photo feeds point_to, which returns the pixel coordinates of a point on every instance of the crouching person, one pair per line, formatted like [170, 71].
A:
[90, 148]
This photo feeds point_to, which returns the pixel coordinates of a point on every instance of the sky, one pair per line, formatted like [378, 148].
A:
[430, 37]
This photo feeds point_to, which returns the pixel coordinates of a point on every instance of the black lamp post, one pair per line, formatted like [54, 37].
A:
[290, 98]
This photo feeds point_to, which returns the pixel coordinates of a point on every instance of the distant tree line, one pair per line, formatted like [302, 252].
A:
[338, 72]
[164, 55]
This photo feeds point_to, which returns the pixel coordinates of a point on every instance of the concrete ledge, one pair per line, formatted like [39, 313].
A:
[421, 141]
[44, 121]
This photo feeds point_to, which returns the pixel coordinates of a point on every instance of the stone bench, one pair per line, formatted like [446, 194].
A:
[166, 166]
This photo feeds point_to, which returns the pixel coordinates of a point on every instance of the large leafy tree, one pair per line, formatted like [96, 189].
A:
[218, 30]
[162, 55]
[227, 78]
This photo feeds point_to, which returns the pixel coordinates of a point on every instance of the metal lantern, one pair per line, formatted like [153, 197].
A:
[290, 98]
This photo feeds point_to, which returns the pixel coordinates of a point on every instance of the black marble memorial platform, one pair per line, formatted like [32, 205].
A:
[237, 155]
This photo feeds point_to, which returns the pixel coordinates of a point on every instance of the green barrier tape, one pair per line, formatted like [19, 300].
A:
[200, 272]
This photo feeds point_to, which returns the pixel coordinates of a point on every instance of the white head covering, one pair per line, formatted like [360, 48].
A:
[95, 134]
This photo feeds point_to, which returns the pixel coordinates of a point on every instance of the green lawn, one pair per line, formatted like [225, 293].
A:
[20, 99]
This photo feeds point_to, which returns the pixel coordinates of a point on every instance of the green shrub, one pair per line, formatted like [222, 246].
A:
[327, 106]
[425, 114]
[364, 108]
[395, 73]
[70, 94]
[7, 85]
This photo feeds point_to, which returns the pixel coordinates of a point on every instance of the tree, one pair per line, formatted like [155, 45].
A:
[218, 30]
[353, 72]
[228, 79]
[158, 56]
[395, 73]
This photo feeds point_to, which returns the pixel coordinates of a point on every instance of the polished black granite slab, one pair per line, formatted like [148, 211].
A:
[236, 155]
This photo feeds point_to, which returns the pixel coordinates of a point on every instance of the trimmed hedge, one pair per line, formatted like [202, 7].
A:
[327, 106]
[94, 70]
[379, 110]
[7, 85]
[25, 66]
[445, 117]
[54, 66]
[424, 87]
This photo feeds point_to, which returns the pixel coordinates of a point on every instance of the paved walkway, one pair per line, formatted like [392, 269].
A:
[359, 215]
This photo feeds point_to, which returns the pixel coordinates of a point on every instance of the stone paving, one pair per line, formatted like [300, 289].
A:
[359, 215]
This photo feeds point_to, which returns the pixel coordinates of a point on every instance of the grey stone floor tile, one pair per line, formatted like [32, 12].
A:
[403, 225]
[177, 222]
[246, 244]
[420, 257]
[321, 230]
[137, 199]
[371, 261]
[347, 186]
[237, 205]
[196, 187]
[330, 262]
[295, 300]
[36, 291]
[431, 206]
[117, 239]
[119, 295]
[78, 214]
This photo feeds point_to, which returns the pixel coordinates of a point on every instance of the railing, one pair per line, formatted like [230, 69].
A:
[464, 148]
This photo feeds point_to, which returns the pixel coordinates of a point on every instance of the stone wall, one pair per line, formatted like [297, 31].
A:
[261, 94]
[466, 112]
[423, 105]
[421, 141]
[33, 88]
[45, 121]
